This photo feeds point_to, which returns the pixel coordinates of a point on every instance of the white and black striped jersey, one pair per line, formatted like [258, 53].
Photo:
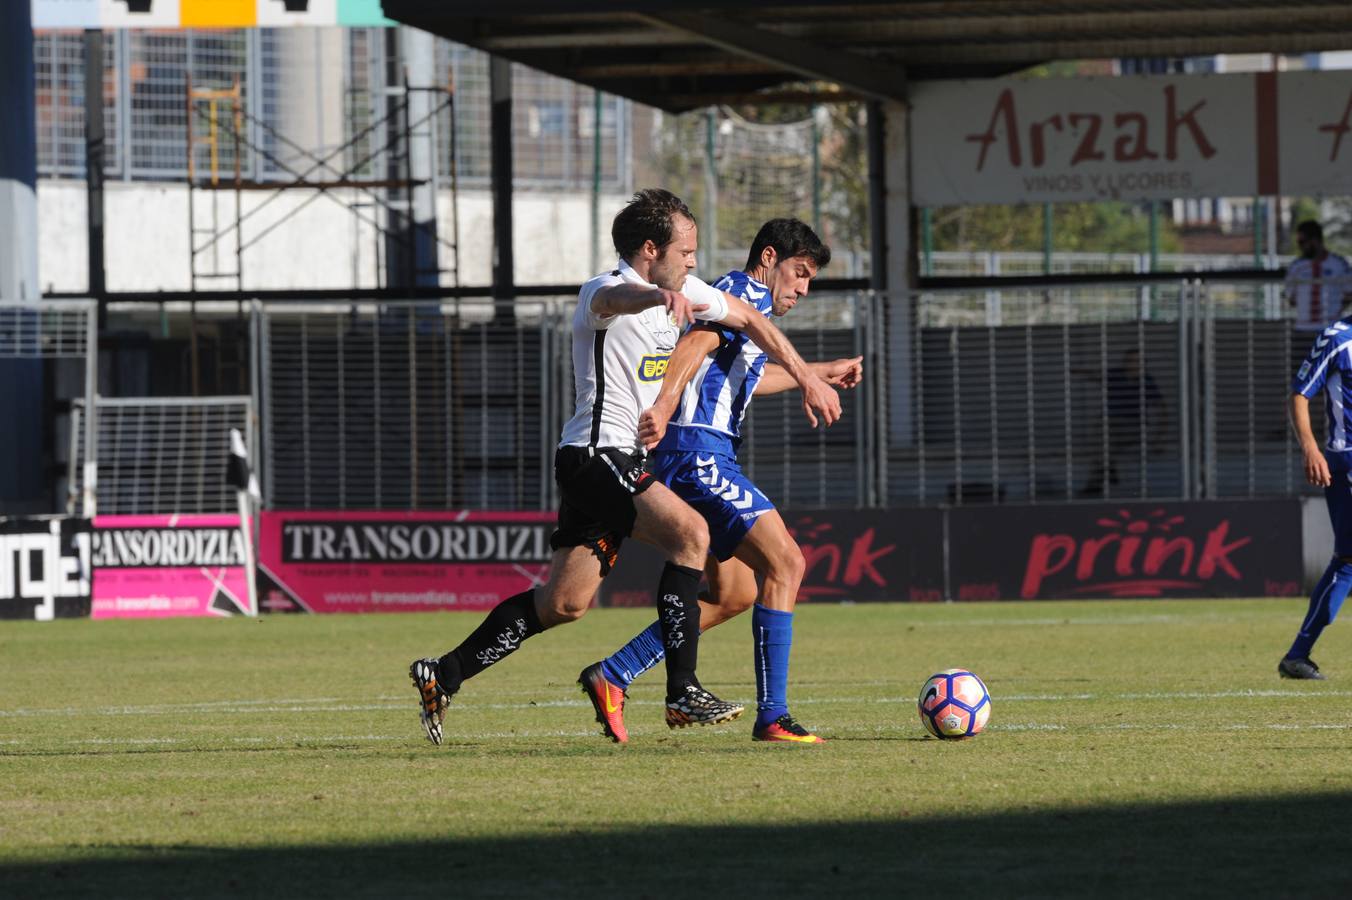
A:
[619, 361]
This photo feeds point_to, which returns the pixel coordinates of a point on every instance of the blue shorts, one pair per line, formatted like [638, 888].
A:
[715, 486]
[1338, 496]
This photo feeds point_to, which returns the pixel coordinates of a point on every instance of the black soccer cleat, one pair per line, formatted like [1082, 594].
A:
[696, 706]
[1299, 668]
[432, 700]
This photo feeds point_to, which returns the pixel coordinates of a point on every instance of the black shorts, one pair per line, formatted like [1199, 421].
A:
[597, 490]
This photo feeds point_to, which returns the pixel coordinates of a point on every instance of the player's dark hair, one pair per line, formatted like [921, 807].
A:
[1311, 229]
[790, 238]
[647, 217]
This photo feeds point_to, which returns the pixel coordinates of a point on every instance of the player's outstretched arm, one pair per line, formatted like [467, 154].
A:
[818, 397]
[685, 361]
[629, 299]
[1316, 467]
[839, 373]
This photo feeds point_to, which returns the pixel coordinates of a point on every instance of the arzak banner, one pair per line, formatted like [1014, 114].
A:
[1131, 138]
[44, 568]
[175, 565]
[387, 561]
[851, 555]
[1164, 549]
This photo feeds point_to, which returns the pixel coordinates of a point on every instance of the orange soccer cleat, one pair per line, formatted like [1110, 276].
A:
[785, 730]
[608, 701]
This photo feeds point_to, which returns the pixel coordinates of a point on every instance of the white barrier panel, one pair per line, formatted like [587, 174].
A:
[44, 568]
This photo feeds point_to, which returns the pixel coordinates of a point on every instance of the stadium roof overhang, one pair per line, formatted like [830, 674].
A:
[680, 57]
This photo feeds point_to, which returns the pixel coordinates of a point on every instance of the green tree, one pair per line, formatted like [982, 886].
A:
[1076, 227]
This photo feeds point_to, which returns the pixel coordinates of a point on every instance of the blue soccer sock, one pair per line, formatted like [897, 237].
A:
[1325, 601]
[772, 630]
[635, 657]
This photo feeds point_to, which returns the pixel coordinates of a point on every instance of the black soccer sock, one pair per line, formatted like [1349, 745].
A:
[678, 615]
[499, 634]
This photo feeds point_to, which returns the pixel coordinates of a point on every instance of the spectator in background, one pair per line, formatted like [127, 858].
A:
[1317, 282]
[1132, 410]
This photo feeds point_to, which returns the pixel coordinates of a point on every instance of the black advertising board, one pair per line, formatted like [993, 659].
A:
[1139, 549]
[44, 568]
[851, 555]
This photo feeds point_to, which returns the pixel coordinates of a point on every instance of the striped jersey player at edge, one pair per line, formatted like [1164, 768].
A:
[697, 459]
[624, 328]
[1328, 368]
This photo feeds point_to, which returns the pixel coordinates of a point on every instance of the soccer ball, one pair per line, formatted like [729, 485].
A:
[954, 704]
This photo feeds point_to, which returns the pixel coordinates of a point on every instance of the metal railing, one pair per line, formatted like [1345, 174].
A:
[1034, 394]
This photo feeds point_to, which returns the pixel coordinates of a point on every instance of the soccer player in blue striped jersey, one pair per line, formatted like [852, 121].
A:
[695, 425]
[1328, 368]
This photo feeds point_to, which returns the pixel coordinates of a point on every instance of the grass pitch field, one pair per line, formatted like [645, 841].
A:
[1135, 748]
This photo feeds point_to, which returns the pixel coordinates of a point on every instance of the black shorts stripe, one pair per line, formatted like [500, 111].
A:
[599, 367]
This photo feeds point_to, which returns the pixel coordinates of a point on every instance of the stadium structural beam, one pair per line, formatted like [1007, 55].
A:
[872, 77]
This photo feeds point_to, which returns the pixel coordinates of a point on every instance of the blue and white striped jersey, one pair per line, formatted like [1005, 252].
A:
[1329, 367]
[710, 415]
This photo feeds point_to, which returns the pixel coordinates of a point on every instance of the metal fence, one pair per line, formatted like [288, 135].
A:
[64, 334]
[309, 88]
[408, 406]
[1111, 391]
[436, 406]
[1099, 392]
[161, 455]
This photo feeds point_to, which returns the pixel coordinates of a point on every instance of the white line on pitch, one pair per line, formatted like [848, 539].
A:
[331, 705]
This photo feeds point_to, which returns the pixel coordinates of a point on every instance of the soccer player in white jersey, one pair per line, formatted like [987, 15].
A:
[1328, 368]
[697, 458]
[624, 329]
[1317, 282]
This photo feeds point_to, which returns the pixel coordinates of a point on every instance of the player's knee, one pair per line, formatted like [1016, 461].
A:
[690, 539]
[787, 562]
[738, 600]
[562, 609]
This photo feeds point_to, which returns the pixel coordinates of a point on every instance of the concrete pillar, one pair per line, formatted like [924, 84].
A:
[420, 63]
[411, 247]
[898, 270]
[21, 475]
[18, 157]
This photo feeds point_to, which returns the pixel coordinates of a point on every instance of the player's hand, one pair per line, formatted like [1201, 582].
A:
[821, 397]
[680, 307]
[652, 425]
[844, 373]
[1316, 467]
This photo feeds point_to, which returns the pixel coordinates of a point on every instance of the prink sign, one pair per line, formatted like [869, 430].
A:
[1134, 555]
[1216, 549]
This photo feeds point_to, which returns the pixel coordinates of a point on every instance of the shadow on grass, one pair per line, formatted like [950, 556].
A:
[1274, 847]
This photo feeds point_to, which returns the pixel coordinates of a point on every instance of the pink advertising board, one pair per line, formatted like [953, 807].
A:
[169, 565]
[318, 561]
